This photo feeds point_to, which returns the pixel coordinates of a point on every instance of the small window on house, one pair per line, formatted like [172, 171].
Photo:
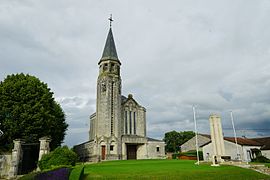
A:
[157, 149]
[111, 148]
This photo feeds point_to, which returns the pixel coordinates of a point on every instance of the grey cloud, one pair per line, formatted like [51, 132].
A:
[212, 54]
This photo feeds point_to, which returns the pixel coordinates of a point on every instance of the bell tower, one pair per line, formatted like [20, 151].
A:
[108, 115]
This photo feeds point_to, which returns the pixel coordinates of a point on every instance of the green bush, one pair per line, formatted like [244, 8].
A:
[261, 159]
[59, 157]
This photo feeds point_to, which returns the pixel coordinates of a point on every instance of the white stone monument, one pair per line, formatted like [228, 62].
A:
[216, 138]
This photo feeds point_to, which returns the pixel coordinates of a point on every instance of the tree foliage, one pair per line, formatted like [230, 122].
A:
[59, 157]
[175, 139]
[28, 111]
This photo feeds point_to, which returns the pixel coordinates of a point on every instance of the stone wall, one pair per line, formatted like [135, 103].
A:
[86, 151]
[5, 164]
[156, 150]
[92, 126]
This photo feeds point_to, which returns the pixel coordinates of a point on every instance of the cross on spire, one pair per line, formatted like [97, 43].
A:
[111, 20]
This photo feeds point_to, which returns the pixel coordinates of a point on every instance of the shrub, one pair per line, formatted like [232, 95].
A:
[60, 156]
[261, 159]
[189, 154]
[193, 154]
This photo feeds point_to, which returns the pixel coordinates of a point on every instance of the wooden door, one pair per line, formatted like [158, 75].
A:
[131, 151]
[103, 152]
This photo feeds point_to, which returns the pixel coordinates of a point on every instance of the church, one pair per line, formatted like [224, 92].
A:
[118, 127]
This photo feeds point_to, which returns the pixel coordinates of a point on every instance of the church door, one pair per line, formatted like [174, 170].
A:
[131, 151]
[103, 152]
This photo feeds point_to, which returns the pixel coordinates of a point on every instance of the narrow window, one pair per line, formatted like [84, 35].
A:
[130, 123]
[111, 147]
[112, 118]
[105, 67]
[111, 67]
[134, 119]
[157, 149]
[126, 126]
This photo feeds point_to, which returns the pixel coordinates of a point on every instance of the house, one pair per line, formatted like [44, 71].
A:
[247, 148]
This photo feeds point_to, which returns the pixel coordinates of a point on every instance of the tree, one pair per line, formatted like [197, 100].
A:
[28, 111]
[174, 139]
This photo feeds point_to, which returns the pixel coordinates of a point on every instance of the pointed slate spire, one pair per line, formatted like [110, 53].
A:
[109, 52]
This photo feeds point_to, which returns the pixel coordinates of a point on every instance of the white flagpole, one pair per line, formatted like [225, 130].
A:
[235, 139]
[196, 134]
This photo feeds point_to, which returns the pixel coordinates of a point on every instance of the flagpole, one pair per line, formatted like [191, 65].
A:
[235, 139]
[196, 133]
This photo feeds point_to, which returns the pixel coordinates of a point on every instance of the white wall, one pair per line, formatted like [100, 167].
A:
[266, 153]
[230, 150]
[207, 152]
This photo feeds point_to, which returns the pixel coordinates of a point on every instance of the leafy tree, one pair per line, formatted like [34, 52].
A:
[59, 157]
[174, 139]
[28, 111]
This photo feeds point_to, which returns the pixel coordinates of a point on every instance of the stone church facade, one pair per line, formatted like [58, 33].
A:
[118, 127]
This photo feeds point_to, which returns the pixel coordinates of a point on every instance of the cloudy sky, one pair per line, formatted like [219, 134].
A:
[213, 54]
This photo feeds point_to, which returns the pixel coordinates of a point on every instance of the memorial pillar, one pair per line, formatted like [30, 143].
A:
[217, 138]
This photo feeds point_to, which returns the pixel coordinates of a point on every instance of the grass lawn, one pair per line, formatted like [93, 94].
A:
[166, 169]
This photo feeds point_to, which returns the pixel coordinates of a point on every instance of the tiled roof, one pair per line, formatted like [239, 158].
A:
[151, 139]
[243, 141]
[205, 135]
[109, 51]
[123, 99]
[264, 141]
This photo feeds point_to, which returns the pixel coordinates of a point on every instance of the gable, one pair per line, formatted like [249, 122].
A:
[129, 101]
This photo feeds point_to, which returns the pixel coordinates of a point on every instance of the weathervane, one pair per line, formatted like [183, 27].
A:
[111, 20]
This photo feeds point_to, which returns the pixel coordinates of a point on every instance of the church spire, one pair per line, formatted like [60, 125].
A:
[109, 52]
